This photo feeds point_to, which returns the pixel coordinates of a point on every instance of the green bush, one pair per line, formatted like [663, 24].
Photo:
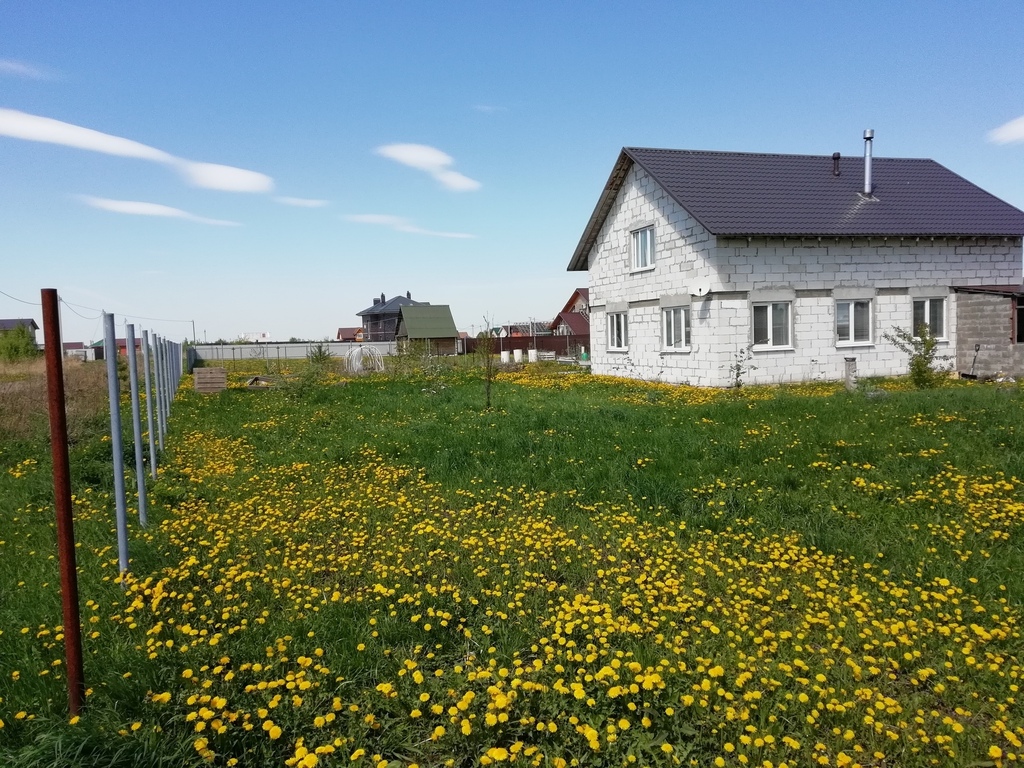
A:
[18, 344]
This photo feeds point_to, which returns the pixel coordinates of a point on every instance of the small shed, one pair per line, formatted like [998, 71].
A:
[990, 330]
[432, 324]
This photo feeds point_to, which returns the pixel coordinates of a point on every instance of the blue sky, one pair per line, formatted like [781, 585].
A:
[271, 167]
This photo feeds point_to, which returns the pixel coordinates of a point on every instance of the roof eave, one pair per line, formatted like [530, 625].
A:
[578, 262]
[922, 235]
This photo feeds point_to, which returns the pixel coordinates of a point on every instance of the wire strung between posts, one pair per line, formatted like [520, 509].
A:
[84, 317]
[126, 315]
[30, 303]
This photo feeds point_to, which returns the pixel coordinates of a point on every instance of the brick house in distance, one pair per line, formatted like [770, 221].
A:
[697, 259]
[380, 321]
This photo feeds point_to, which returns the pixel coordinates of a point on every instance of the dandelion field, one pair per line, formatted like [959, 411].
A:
[592, 573]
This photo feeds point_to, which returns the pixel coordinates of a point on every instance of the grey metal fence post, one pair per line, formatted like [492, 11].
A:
[133, 380]
[164, 378]
[166, 381]
[149, 403]
[159, 384]
[116, 446]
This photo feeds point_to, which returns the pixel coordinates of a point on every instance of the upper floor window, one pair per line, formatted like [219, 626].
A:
[772, 324]
[618, 335]
[930, 314]
[675, 327]
[643, 248]
[853, 322]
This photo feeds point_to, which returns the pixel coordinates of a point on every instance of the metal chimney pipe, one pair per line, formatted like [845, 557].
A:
[869, 134]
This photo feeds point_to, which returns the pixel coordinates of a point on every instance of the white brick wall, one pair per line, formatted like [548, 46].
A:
[685, 254]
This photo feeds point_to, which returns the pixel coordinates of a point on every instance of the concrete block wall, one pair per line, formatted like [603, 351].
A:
[681, 247]
[748, 264]
[987, 319]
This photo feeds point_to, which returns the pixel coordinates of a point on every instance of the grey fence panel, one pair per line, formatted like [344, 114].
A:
[213, 353]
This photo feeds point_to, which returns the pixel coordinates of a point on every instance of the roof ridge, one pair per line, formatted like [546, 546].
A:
[768, 154]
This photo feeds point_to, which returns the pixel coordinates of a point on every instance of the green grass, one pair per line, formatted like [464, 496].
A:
[270, 501]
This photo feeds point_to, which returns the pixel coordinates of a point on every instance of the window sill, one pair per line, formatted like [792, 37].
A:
[854, 344]
[617, 349]
[766, 348]
[676, 351]
[639, 270]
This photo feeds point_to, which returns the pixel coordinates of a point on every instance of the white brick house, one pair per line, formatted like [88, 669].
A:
[697, 259]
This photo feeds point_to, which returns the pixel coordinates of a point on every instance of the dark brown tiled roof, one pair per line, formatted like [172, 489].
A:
[391, 306]
[578, 324]
[747, 194]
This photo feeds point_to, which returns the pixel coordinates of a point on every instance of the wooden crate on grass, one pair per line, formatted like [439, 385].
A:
[210, 379]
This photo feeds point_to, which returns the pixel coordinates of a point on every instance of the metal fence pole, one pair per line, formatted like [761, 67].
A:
[170, 375]
[159, 386]
[116, 446]
[165, 378]
[62, 499]
[149, 403]
[133, 379]
[165, 382]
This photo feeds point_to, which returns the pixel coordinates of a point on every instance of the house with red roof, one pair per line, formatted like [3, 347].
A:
[574, 319]
[351, 334]
[778, 267]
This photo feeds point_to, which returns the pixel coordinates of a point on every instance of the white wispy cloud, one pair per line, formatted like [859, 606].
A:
[1008, 133]
[489, 109]
[400, 224]
[21, 125]
[136, 208]
[301, 202]
[432, 161]
[21, 69]
[224, 177]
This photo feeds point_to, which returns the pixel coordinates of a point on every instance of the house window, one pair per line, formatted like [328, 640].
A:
[930, 314]
[853, 322]
[771, 324]
[643, 248]
[1019, 318]
[675, 327]
[617, 333]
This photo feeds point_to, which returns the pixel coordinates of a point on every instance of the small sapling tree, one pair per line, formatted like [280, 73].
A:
[922, 350]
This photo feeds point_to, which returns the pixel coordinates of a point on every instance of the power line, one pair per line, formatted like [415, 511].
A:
[126, 314]
[30, 303]
[84, 317]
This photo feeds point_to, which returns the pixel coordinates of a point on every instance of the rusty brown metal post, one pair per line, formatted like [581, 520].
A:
[62, 499]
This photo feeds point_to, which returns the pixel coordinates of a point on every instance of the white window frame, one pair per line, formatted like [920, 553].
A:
[851, 339]
[617, 324]
[928, 304]
[772, 342]
[675, 337]
[641, 249]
